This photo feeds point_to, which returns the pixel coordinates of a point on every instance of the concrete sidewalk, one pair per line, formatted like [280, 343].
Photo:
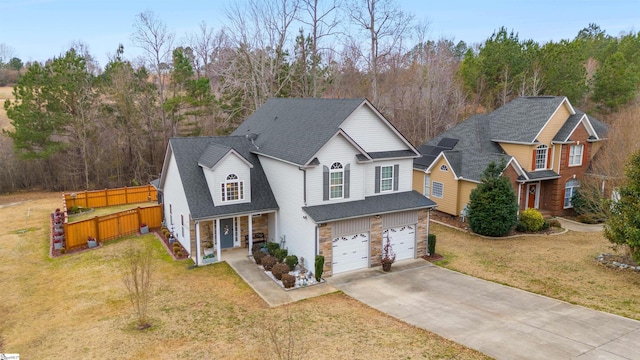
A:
[264, 286]
[579, 227]
[502, 322]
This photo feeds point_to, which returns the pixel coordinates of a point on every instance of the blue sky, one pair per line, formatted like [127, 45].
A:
[41, 29]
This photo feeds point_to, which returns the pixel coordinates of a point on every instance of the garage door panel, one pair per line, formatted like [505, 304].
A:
[403, 240]
[350, 252]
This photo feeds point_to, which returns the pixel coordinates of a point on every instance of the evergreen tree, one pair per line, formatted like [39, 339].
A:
[493, 208]
[623, 225]
[616, 82]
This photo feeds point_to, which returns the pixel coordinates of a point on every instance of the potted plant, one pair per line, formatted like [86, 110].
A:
[388, 257]
[57, 244]
[144, 229]
[92, 242]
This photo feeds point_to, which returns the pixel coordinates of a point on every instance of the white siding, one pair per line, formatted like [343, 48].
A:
[286, 184]
[371, 132]
[338, 149]
[229, 165]
[174, 195]
[405, 175]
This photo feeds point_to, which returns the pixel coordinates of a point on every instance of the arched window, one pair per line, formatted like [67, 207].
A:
[444, 167]
[541, 157]
[570, 189]
[336, 181]
[232, 188]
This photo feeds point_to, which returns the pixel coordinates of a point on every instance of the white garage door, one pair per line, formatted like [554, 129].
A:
[403, 241]
[350, 252]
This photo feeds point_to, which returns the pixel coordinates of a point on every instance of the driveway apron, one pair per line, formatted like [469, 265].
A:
[497, 320]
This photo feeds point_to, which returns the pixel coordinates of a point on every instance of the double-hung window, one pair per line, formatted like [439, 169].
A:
[438, 189]
[336, 181]
[232, 189]
[541, 157]
[575, 155]
[570, 189]
[386, 178]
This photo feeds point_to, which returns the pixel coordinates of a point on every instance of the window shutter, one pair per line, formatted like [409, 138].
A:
[377, 179]
[396, 170]
[346, 181]
[548, 158]
[325, 183]
[533, 163]
[568, 154]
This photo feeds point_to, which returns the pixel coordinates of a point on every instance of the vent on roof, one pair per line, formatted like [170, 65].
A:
[448, 143]
[252, 137]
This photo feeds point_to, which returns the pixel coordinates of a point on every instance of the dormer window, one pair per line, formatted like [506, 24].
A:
[232, 188]
[541, 157]
[336, 184]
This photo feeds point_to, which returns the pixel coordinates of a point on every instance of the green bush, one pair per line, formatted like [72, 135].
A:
[268, 262]
[319, 267]
[530, 221]
[280, 254]
[257, 256]
[432, 244]
[288, 281]
[291, 262]
[493, 207]
[279, 269]
[272, 247]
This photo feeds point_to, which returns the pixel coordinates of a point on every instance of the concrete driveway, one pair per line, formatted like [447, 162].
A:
[497, 320]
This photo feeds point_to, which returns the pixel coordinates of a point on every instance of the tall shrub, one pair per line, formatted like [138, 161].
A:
[319, 267]
[493, 208]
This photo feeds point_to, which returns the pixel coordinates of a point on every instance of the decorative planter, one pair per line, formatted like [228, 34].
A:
[144, 229]
[208, 260]
[58, 238]
[57, 245]
[386, 267]
[171, 239]
[92, 243]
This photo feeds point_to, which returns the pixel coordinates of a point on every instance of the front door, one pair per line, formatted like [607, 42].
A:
[531, 196]
[226, 233]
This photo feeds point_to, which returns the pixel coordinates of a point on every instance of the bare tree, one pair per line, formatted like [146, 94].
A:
[152, 36]
[137, 279]
[323, 22]
[385, 25]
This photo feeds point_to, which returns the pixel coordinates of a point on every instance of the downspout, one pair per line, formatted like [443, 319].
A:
[519, 196]
[304, 185]
[317, 239]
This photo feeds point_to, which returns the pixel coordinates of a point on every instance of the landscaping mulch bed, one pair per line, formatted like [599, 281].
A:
[457, 222]
[433, 258]
[182, 254]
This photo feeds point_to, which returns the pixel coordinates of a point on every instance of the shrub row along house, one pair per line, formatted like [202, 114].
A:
[546, 143]
[328, 177]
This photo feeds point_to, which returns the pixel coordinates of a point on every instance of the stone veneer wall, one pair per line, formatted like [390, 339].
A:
[260, 224]
[421, 235]
[375, 241]
[326, 250]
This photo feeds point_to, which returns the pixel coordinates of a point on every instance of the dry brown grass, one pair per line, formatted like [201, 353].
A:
[5, 93]
[77, 306]
[558, 266]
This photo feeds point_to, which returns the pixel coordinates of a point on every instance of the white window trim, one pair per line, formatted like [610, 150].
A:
[576, 185]
[386, 178]
[223, 189]
[573, 155]
[182, 225]
[544, 148]
[427, 186]
[433, 188]
[336, 168]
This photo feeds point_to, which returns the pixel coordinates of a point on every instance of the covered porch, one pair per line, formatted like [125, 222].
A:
[211, 238]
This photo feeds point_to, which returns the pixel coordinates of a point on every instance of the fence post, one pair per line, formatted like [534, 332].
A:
[140, 216]
[97, 226]
[86, 199]
[126, 194]
[106, 196]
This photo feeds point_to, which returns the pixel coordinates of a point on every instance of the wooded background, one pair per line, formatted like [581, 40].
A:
[73, 125]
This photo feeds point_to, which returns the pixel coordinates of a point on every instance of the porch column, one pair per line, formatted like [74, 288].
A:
[250, 235]
[198, 256]
[217, 237]
[519, 196]
[276, 237]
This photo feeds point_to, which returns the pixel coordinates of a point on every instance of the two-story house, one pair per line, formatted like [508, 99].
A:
[327, 177]
[546, 143]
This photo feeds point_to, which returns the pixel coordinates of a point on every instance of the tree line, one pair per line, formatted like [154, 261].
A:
[76, 125]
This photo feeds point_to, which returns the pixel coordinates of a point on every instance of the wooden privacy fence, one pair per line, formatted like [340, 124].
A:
[111, 197]
[112, 226]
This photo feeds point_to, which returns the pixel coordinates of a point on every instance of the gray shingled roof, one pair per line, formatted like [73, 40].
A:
[212, 154]
[371, 205]
[563, 134]
[542, 175]
[522, 119]
[601, 128]
[295, 129]
[188, 152]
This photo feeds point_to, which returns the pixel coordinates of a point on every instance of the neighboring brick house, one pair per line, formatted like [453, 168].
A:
[327, 177]
[547, 145]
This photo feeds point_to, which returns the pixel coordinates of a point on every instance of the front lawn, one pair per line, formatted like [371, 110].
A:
[76, 307]
[559, 266]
